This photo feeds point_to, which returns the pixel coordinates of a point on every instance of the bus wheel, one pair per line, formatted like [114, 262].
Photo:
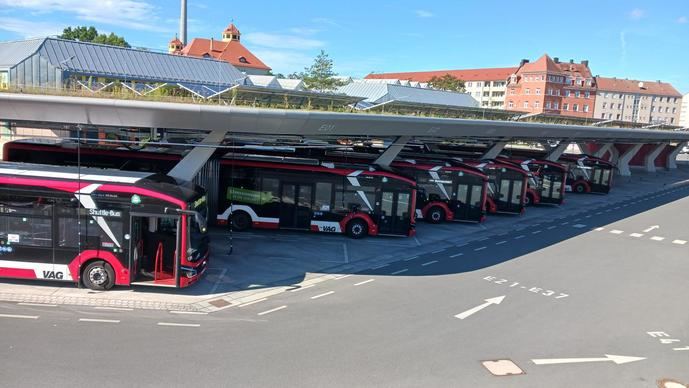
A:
[436, 215]
[98, 275]
[241, 221]
[579, 188]
[528, 200]
[357, 229]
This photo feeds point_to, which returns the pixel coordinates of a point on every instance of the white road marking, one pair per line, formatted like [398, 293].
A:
[343, 277]
[438, 251]
[615, 231]
[519, 237]
[19, 316]
[99, 320]
[500, 242]
[457, 255]
[302, 288]
[599, 229]
[364, 282]
[173, 324]
[400, 271]
[637, 235]
[474, 310]
[608, 357]
[323, 294]
[380, 266]
[483, 239]
[113, 308]
[536, 232]
[679, 242]
[551, 227]
[652, 228]
[346, 254]
[411, 258]
[429, 263]
[188, 312]
[253, 302]
[480, 249]
[657, 238]
[564, 223]
[273, 310]
[36, 304]
[578, 226]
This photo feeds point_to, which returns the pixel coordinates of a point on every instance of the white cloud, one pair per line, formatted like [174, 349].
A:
[29, 29]
[282, 41]
[133, 14]
[637, 14]
[423, 13]
[682, 20]
[304, 30]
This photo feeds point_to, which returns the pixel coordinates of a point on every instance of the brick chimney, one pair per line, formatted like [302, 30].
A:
[585, 62]
[556, 59]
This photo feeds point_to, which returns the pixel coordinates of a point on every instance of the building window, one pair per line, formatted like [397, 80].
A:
[609, 116]
[536, 104]
[547, 105]
[538, 91]
[567, 93]
[618, 116]
[575, 107]
[605, 105]
[479, 84]
[511, 92]
[586, 108]
[550, 92]
[468, 84]
[511, 104]
[526, 104]
[674, 110]
[577, 94]
[619, 106]
[587, 94]
[557, 92]
[565, 106]
[556, 105]
[527, 91]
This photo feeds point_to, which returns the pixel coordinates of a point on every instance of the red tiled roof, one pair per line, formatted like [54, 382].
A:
[232, 29]
[632, 86]
[487, 74]
[176, 41]
[547, 64]
[227, 51]
[544, 63]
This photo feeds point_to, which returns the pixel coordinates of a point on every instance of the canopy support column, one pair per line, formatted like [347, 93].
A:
[602, 150]
[650, 158]
[494, 151]
[188, 167]
[554, 153]
[625, 158]
[672, 156]
[391, 152]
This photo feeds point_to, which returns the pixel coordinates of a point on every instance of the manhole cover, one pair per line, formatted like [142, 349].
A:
[219, 303]
[502, 367]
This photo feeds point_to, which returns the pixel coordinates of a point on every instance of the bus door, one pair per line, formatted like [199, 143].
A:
[510, 193]
[469, 201]
[551, 187]
[160, 243]
[395, 216]
[600, 180]
[136, 245]
[296, 205]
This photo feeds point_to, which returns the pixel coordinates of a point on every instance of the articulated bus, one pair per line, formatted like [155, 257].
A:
[273, 192]
[382, 211]
[100, 227]
[588, 174]
[546, 180]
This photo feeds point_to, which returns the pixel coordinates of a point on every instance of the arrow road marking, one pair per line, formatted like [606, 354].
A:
[654, 227]
[472, 311]
[608, 357]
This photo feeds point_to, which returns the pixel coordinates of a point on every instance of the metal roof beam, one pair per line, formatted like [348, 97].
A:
[495, 150]
[193, 162]
[391, 152]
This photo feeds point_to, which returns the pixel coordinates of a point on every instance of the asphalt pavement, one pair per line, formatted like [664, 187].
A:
[592, 299]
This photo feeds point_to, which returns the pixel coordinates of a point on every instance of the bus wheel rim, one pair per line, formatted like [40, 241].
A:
[357, 229]
[98, 276]
[435, 216]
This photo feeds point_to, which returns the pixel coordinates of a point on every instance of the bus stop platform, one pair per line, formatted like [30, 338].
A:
[266, 263]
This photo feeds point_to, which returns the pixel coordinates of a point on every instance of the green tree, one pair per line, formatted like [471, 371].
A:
[447, 82]
[320, 76]
[90, 34]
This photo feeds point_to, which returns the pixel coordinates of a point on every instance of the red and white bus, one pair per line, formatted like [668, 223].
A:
[588, 174]
[546, 184]
[100, 227]
[273, 192]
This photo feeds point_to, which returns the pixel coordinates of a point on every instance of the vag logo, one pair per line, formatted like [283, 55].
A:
[53, 275]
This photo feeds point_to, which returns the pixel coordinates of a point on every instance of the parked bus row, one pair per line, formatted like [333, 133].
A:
[134, 225]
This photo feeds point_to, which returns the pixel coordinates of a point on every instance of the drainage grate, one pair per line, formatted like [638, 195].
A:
[219, 303]
[502, 367]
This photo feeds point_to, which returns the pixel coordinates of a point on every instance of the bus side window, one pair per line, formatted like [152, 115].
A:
[272, 186]
[324, 195]
[26, 231]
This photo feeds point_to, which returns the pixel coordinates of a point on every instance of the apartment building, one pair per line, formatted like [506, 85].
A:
[548, 86]
[487, 86]
[646, 102]
[684, 112]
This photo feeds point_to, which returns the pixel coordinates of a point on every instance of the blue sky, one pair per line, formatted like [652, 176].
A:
[646, 40]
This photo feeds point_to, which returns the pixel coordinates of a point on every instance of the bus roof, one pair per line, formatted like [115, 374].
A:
[72, 173]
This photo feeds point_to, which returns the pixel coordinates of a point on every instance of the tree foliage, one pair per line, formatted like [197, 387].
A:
[90, 34]
[320, 76]
[447, 82]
